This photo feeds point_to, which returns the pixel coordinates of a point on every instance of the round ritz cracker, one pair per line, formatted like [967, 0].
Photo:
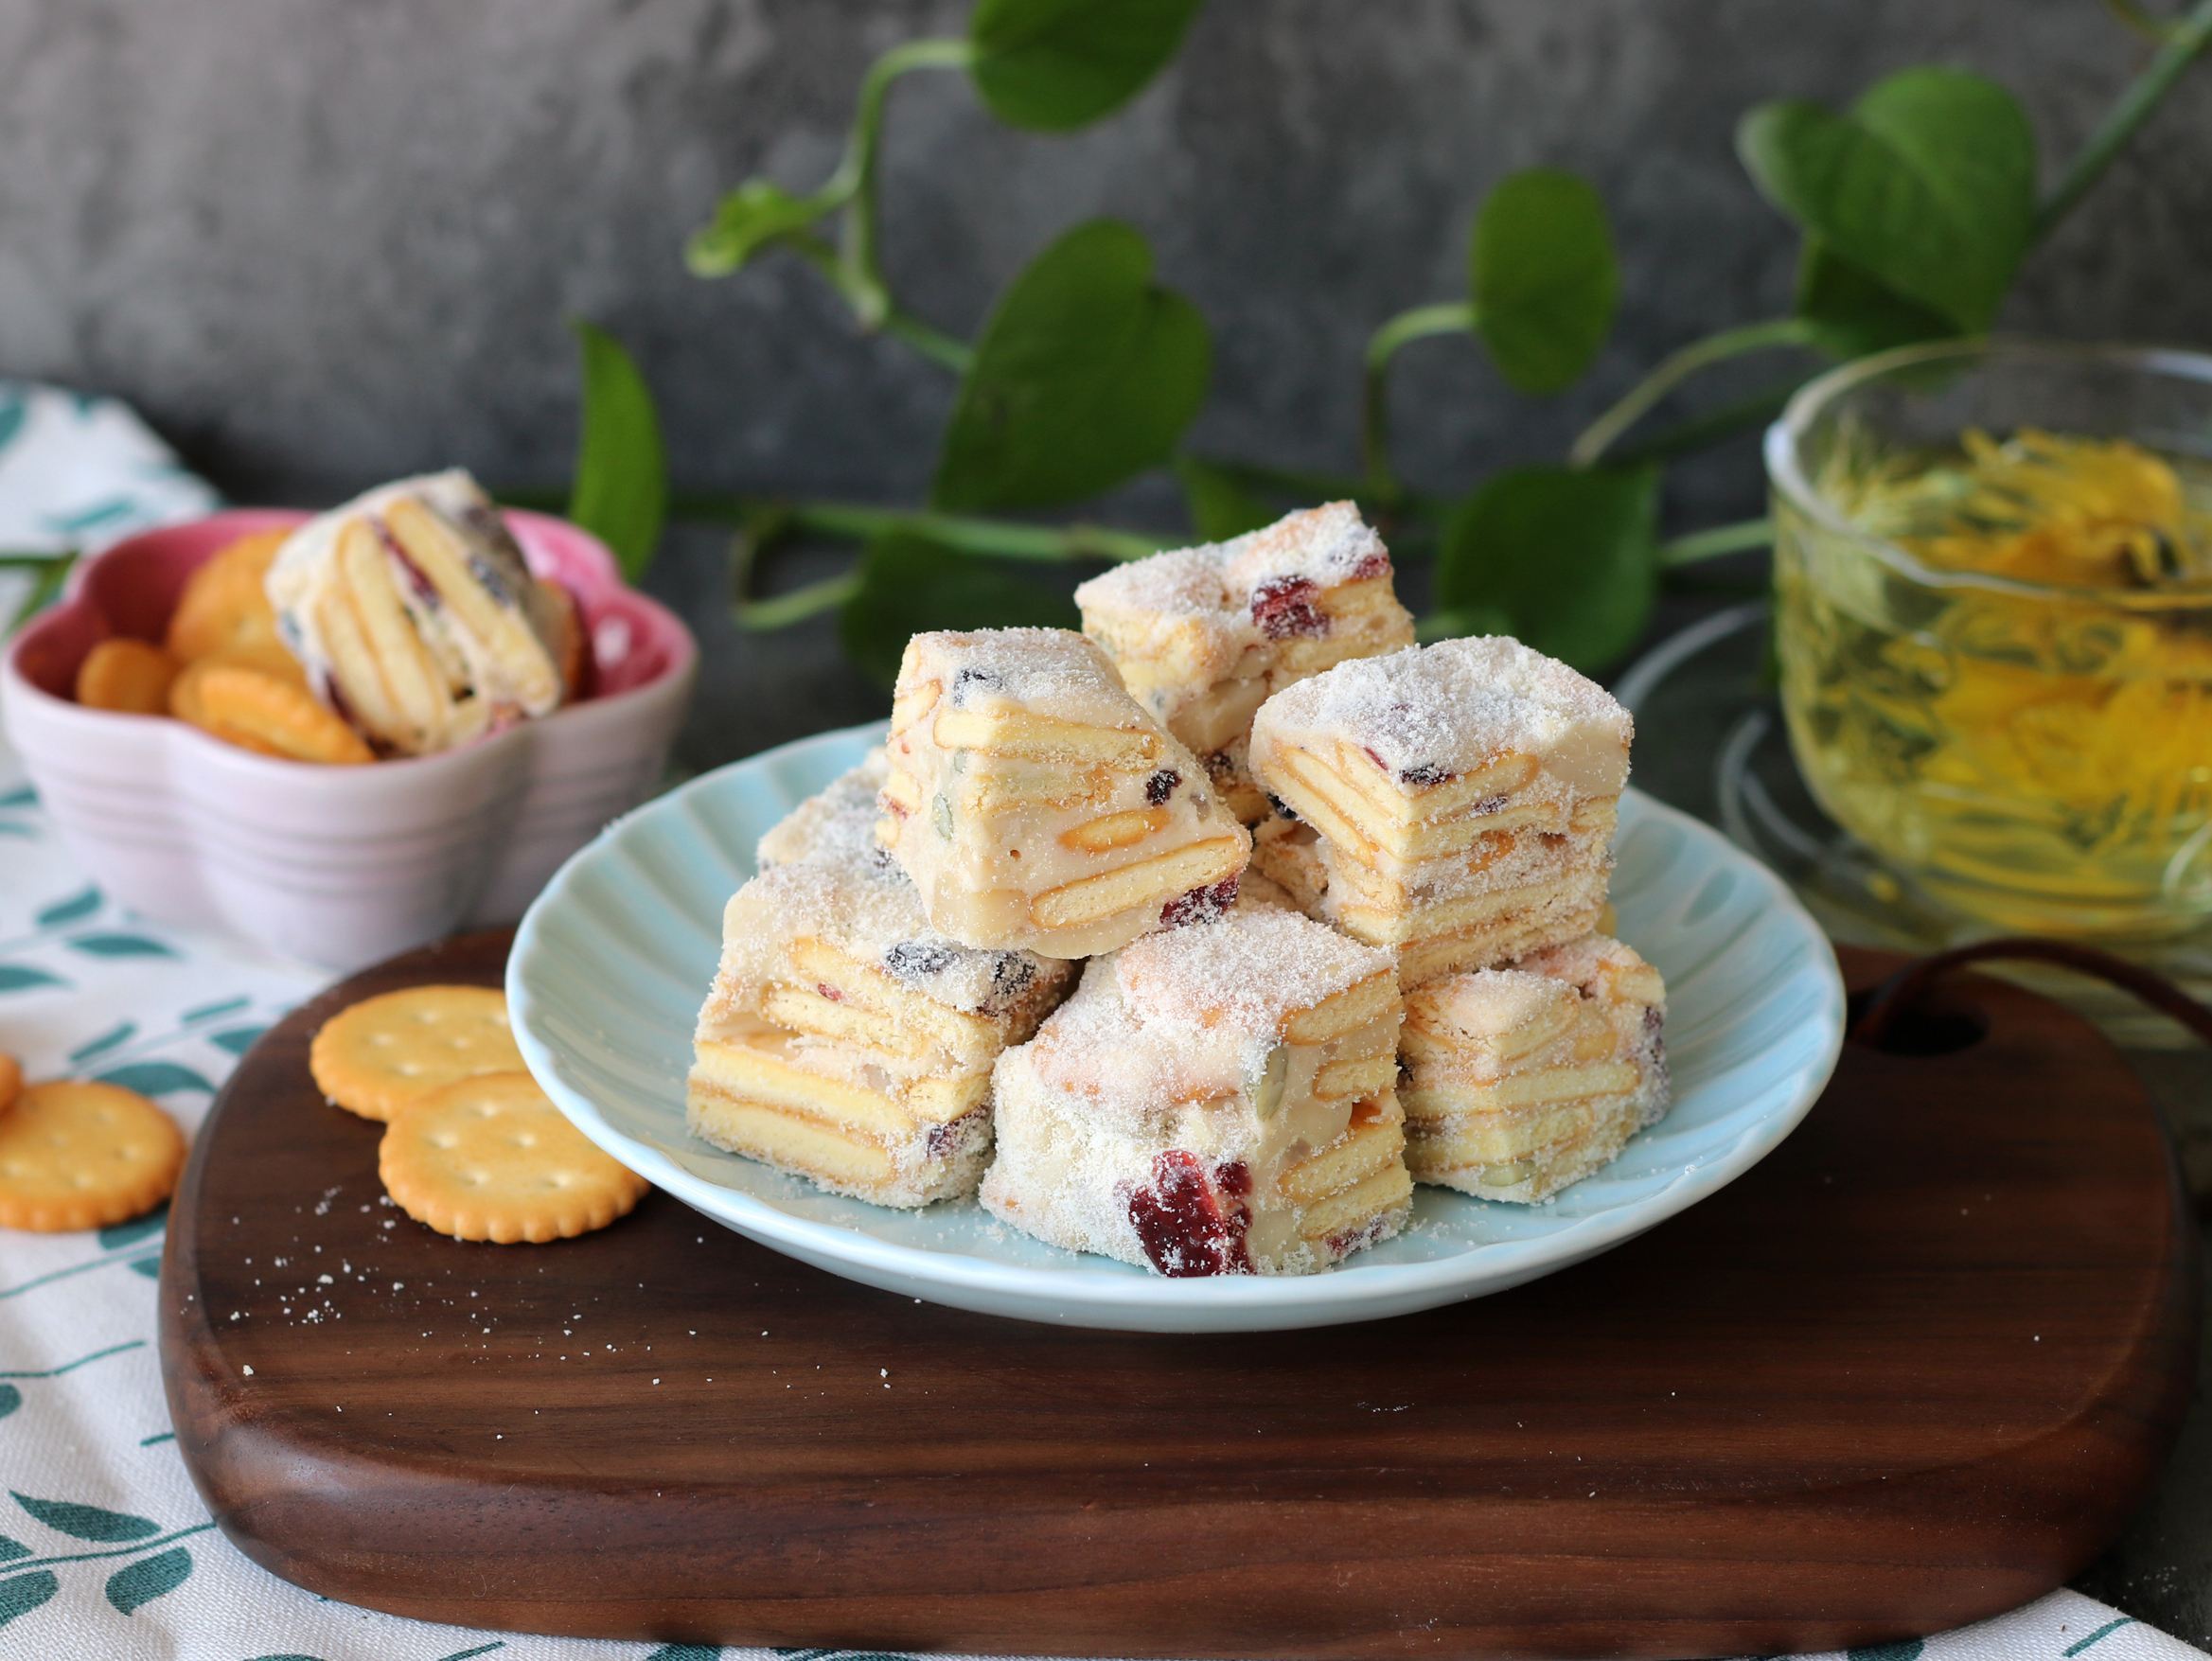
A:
[386, 1052]
[225, 608]
[256, 706]
[84, 1156]
[130, 676]
[491, 1159]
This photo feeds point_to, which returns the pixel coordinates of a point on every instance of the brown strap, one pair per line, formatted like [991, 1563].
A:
[1896, 996]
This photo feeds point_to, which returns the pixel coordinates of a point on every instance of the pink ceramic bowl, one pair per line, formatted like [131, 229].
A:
[338, 865]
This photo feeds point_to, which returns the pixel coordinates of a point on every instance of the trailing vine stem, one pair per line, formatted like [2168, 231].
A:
[2184, 42]
[1452, 317]
[1676, 368]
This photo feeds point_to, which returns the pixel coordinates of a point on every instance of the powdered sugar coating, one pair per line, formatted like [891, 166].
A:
[1036, 804]
[835, 823]
[1243, 974]
[1171, 1116]
[1490, 1003]
[1040, 668]
[1324, 545]
[1457, 706]
[836, 883]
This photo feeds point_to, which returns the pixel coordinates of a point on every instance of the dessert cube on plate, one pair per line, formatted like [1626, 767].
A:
[1214, 1100]
[1202, 636]
[844, 1039]
[1454, 801]
[1037, 805]
[417, 618]
[1519, 1082]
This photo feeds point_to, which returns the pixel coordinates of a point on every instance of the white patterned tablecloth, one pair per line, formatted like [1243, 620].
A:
[106, 1551]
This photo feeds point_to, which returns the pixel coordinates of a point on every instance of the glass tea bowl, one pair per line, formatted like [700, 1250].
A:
[2035, 754]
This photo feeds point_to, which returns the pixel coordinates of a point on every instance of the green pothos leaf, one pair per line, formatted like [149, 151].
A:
[621, 489]
[909, 584]
[1543, 278]
[1926, 185]
[1088, 372]
[1054, 64]
[1220, 507]
[1568, 554]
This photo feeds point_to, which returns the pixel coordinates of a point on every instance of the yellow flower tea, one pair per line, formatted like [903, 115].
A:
[2019, 709]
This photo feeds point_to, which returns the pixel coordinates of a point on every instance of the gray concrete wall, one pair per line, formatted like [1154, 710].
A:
[324, 241]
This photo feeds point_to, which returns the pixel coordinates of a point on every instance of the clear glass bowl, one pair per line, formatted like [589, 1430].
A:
[2038, 757]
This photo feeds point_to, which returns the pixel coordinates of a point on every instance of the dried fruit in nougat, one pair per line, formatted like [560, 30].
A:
[1214, 1100]
[1521, 1080]
[1455, 801]
[1203, 636]
[1036, 804]
[418, 617]
[845, 1040]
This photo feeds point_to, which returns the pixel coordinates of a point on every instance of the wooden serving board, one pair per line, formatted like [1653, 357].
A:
[1914, 1369]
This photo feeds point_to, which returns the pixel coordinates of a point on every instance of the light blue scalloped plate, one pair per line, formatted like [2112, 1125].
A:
[612, 962]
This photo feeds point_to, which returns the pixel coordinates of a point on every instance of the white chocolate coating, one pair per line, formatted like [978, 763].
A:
[1203, 636]
[1214, 1100]
[1457, 801]
[844, 1039]
[416, 616]
[1522, 1081]
[1036, 805]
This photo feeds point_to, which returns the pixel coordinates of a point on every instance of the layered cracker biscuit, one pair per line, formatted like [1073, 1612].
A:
[1456, 800]
[1214, 1100]
[1521, 1080]
[1037, 806]
[1203, 636]
[417, 618]
[844, 1039]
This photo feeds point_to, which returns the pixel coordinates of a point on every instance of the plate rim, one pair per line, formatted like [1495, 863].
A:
[1078, 1285]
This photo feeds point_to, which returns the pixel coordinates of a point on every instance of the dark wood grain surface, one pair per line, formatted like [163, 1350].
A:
[1914, 1369]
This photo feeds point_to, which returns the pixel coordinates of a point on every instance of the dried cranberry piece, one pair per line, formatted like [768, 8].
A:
[417, 579]
[1202, 905]
[1488, 804]
[335, 701]
[1234, 1176]
[1161, 784]
[1184, 1227]
[491, 579]
[944, 1138]
[1011, 974]
[1424, 774]
[1346, 1241]
[1282, 808]
[967, 678]
[829, 992]
[917, 960]
[1372, 565]
[1283, 607]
